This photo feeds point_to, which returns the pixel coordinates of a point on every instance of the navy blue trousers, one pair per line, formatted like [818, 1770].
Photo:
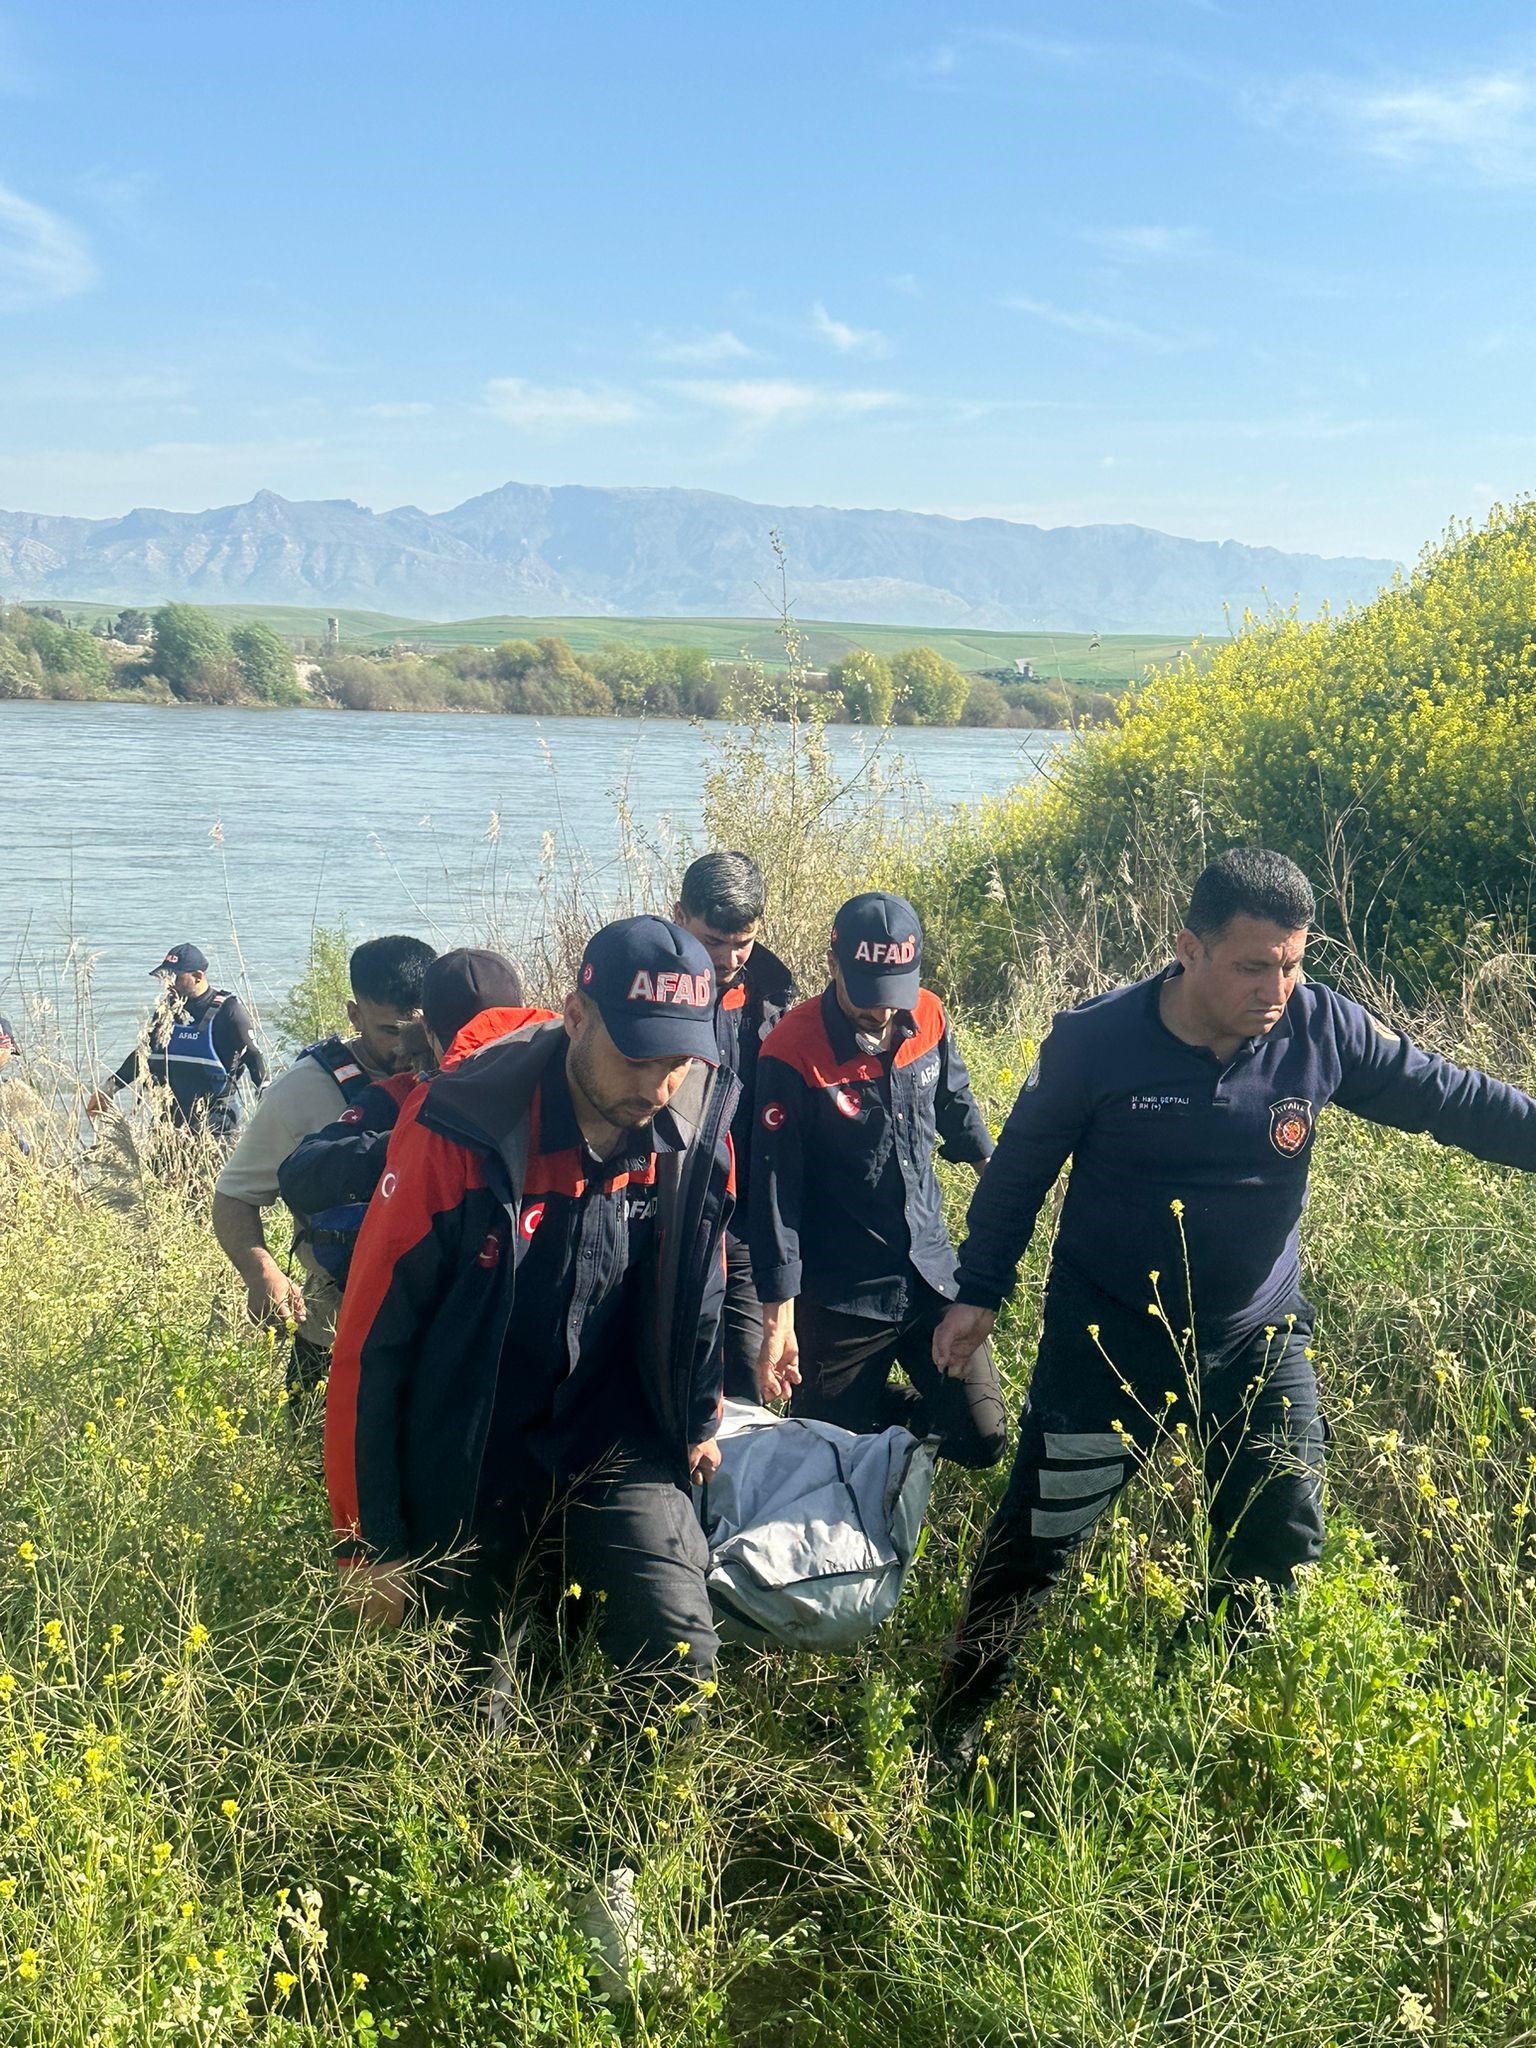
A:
[1097, 1405]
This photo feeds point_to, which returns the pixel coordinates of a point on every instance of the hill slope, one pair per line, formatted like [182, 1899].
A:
[572, 550]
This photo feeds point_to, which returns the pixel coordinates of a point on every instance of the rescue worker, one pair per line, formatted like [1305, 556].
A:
[536, 1293]
[193, 1052]
[470, 998]
[721, 904]
[1188, 1106]
[384, 1012]
[850, 1253]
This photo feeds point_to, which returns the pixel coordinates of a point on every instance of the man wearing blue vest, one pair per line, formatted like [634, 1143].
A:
[385, 1014]
[191, 1056]
[1188, 1106]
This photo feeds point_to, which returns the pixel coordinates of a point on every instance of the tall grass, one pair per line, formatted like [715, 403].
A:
[228, 1814]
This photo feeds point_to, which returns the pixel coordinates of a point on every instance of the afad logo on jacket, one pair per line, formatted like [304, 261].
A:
[1290, 1125]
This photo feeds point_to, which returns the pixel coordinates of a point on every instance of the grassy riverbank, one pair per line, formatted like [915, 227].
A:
[230, 1816]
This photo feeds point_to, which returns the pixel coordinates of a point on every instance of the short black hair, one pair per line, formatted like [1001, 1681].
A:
[726, 890]
[1248, 881]
[391, 970]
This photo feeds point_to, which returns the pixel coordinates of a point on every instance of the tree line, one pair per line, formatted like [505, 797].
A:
[186, 653]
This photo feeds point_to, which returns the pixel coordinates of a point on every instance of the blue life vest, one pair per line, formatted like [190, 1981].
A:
[185, 1062]
[331, 1234]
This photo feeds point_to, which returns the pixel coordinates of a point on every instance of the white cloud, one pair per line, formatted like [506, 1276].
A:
[42, 256]
[1097, 326]
[1146, 244]
[722, 346]
[770, 401]
[1482, 125]
[848, 341]
[557, 407]
[399, 409]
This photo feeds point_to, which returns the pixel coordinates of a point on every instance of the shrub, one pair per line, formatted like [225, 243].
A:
[1388, 751]
[266, 663]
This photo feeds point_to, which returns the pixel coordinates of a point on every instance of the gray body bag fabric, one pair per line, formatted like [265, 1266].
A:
[810, 1528]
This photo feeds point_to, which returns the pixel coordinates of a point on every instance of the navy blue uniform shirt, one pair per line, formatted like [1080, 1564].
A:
[746, 1010]
[845, 1205]
[1148, 1121]
[570, 1390]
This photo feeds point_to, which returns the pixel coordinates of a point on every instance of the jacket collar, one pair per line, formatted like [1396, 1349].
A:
[840, 1034]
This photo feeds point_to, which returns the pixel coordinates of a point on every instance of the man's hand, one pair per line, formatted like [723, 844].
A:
[377, 1591]
[98, 1102]
[961, 1334]
[778, 1361]
[273, 1296]
[703, 1460]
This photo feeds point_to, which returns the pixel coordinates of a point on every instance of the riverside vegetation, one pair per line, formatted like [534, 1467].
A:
[184, 653]
[230, 1815]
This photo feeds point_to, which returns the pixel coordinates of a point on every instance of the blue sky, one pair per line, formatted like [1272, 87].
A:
[1248, 271]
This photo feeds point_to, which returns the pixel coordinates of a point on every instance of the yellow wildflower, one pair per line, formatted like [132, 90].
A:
[26, 1550]
[285, 1981]
[229, 1808]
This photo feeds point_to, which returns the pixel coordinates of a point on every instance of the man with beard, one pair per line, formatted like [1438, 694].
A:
[721, 904]
[385, 1014]
[194, 1049]
[527, 1363]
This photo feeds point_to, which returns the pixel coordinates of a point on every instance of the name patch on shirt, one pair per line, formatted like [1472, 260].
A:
[1161, 1100]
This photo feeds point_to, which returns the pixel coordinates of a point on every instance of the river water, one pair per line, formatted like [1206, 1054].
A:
[125, 829]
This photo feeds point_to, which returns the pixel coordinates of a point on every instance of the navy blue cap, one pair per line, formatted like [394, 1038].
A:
[877, 940]
[182, 959]
[654, 989]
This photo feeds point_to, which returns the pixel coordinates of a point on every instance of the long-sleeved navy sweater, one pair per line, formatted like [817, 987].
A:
[1148, 1121]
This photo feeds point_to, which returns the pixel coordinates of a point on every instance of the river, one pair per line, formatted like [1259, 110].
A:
[124, 829]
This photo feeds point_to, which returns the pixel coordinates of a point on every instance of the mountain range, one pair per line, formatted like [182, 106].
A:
[572, 550]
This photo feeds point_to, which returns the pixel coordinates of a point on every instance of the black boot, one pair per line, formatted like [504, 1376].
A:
[975, 1675]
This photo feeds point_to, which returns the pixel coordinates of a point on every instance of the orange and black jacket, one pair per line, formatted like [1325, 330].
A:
[845, 1204]
[421, 1344]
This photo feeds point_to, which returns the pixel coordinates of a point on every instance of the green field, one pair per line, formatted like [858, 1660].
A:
[1119, 658]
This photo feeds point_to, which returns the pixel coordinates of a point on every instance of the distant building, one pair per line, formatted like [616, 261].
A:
[1025, 670]
[333, 633]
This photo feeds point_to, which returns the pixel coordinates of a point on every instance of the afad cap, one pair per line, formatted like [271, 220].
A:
[182, 959]
[877, 940]
[654, 989]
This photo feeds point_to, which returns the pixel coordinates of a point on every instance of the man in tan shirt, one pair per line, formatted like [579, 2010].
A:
[385, 1015]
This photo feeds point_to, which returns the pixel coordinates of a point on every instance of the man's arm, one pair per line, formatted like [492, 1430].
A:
[1042, 1131]
[957, 1113]
[343, 1162]
[407, 1254]
[245, 1186]
[1390, 1080]
[123, 1075]
[773, 1223]
[705, 1401]
[235, 1043]
[270, 1293]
